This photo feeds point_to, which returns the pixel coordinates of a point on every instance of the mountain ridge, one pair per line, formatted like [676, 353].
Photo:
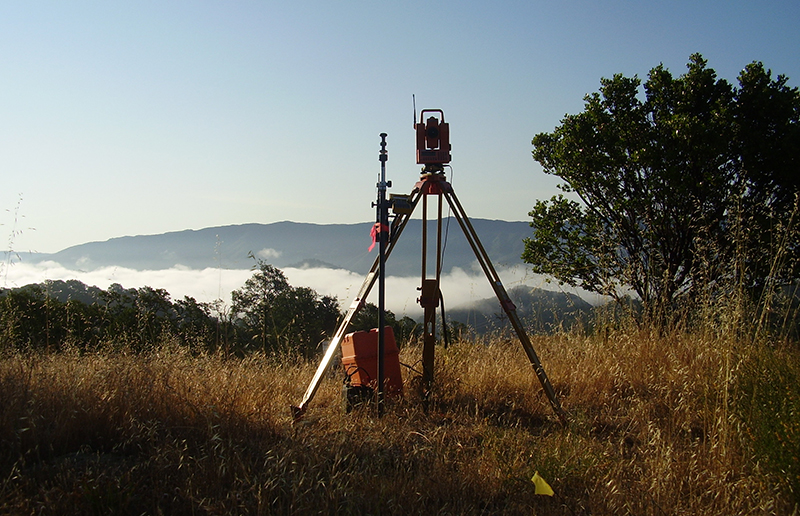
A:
[288, 243]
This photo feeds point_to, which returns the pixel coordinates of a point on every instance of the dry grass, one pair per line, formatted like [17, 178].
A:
[655, 430]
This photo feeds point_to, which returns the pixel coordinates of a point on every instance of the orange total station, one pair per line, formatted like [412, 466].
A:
[433, 139]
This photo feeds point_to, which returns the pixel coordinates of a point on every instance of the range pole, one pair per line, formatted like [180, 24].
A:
[382, 230]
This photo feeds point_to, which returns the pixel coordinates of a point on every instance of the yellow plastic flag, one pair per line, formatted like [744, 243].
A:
[542, 487]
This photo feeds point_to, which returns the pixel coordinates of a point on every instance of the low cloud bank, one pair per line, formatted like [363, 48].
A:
[459, 287]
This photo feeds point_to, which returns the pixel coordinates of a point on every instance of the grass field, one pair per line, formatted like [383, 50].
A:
[685, 424]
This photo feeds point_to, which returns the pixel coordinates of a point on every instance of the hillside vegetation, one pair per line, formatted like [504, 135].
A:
[681, 424]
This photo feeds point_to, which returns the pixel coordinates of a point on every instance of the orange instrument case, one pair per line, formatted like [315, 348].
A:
[360, 360]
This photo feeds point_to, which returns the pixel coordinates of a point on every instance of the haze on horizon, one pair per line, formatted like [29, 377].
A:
[460, 287]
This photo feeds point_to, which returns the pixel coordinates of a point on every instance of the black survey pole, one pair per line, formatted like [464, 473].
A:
[382, 232]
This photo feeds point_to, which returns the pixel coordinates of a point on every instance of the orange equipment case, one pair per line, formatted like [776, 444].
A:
[360, 360]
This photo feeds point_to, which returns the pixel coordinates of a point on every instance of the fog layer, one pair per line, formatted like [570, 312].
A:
[460, 287]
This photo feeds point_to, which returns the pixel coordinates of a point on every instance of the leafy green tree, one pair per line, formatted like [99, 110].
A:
[195, 325]
[22, 317]
[32, 318]
[252, 304]
[303, 319]
[275, 316]
[671, 187]
[767, 121]
[119, 317]
[138, 317]
[57, 313]
[82, 324]
[155, 314]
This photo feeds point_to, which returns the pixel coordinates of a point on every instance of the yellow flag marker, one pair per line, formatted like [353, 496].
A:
[542, 487]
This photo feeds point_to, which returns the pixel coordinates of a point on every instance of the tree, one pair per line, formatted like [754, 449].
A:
[138, 317]
[195, 325]
[252, 304]
[276, 316]
[667, 184]
[768, 136]
[303, 319]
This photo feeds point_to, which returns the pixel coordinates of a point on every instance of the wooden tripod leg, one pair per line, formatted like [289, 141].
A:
[508, 306]
[397, 228]
[429, 300]
[355, 306]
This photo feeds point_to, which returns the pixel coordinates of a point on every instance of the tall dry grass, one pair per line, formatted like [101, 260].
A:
[656, 428]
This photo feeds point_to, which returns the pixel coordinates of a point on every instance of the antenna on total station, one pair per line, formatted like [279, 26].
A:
[414, 102]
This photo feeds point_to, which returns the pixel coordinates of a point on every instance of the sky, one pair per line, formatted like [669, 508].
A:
[129, 118]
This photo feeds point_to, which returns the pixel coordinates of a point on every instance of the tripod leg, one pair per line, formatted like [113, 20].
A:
[429, 299]
[356, 305]
[505, 301]
[397, 228]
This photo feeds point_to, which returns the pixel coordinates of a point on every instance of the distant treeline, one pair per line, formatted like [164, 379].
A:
[58, 315]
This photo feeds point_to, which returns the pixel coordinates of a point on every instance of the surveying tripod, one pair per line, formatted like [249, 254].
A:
[432, 183]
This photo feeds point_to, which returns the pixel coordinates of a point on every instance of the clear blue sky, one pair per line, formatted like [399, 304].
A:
[124, 118]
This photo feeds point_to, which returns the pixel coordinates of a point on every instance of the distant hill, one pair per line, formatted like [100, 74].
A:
[542, 311]
[63, 291]
[285, 244]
